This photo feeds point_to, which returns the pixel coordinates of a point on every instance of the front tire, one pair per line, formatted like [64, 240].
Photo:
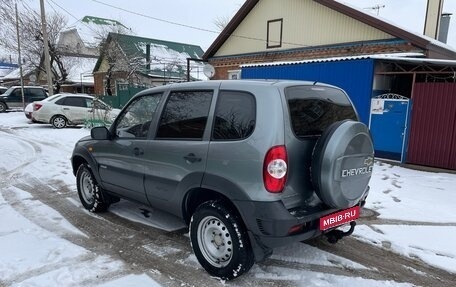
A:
[59, 122]
[90, 193]
[3, 107]
[220, 241]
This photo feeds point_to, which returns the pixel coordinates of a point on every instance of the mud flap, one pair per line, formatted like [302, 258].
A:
[260, 251]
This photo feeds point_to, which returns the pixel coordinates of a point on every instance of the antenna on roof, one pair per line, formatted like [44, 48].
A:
[376, 7]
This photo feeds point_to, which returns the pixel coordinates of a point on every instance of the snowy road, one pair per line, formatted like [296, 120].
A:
[48, 239]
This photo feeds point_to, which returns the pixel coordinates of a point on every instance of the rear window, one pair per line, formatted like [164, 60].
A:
[314, 108]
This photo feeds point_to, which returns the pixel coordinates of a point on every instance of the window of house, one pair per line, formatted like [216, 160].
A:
[185, 115]
[274, 33]
[234, 74]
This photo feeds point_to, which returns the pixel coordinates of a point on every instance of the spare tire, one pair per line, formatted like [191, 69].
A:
[342, 163]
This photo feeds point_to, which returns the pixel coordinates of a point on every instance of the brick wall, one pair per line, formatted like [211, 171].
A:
[223, 65]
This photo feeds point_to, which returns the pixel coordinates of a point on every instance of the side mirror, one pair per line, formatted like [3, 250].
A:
[100, 133]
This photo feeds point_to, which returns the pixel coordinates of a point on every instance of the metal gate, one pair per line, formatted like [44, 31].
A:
[433, 133]
[389, 122]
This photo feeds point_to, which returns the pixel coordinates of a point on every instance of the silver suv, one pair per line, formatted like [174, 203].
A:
[248, 165]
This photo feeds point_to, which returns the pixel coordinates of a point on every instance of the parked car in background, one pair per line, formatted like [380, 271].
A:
[30, 107]
[3, 90]
[62, 110]
[12, 98]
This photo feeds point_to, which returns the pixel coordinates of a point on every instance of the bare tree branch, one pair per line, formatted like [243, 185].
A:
[31, 36]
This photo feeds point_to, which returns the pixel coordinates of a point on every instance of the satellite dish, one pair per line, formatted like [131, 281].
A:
[209, 70]
[32, 78]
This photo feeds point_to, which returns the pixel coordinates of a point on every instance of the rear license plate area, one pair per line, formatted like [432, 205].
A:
[339, 218]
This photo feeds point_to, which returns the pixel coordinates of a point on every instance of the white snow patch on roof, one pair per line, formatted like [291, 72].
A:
[80, 69]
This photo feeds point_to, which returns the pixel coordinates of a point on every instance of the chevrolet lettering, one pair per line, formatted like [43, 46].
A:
[357, 171]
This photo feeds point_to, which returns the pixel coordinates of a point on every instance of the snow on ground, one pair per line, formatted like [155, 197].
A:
[405, 194]
[26, 248]
[433, 244]
[302, 253]
[308, 278]
[424, 199]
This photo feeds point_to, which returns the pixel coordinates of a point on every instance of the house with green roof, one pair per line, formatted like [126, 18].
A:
[144, 61]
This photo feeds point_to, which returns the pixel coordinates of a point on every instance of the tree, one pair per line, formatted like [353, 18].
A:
[32, 38]
[221, 22]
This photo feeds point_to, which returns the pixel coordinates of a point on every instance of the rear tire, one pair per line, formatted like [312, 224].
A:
[59, 122]
[220, 241]
[90, 193]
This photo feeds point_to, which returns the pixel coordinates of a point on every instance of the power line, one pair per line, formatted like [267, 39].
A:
[77, 20]
[189, 26]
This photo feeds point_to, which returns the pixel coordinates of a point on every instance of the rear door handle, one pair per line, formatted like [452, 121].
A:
[192, 158]
[66, 109]
[138, 151]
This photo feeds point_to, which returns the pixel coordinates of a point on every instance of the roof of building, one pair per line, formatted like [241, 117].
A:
[164, 55]
[79, 69]
[412, 58]
[91, 29]
[418, 40]
[101, 21]
[159, 49]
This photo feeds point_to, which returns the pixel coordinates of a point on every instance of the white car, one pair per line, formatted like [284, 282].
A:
[31, 107]
[62, 110]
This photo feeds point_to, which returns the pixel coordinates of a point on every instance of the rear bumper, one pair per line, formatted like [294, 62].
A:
[269, 223]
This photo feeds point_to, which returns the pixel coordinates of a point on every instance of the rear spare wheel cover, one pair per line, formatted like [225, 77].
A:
[342, 163]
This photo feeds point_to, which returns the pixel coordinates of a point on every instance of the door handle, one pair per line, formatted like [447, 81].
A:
[192, 158]
[66, 109]
[138, 151]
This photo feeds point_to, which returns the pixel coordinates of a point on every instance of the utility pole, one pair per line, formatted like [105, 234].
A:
[19, 60]
[47, 60]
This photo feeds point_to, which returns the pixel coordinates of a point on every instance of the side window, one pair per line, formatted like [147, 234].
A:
[235, 115]
[185, 115]
[89, 103]
[36, 93]
[16, 95]
[75, 102]
[134, 122]
[99, 105]
[60, 101]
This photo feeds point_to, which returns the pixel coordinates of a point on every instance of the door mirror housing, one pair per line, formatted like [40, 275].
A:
[100, 133]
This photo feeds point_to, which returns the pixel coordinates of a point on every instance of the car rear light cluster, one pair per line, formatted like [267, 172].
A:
[275, 169]
[36, 107]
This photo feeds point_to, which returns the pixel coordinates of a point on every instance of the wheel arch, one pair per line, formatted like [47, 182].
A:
[196, 196]
[81, 156]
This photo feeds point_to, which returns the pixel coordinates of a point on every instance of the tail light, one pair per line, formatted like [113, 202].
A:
[275, 169]
[36, 107]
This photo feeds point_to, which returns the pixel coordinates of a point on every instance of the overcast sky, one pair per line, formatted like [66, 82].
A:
[201, 14]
